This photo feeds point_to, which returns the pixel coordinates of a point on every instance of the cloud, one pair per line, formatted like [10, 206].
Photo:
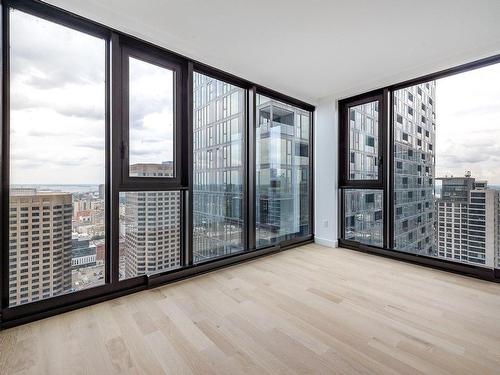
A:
[62, 55]
[468, 124]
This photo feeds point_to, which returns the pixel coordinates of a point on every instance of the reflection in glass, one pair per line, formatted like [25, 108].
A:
[57, 166]
[364, 216]
[282, 172]
[218, 171]
[363, 141]
[151, 117]
[150, 227]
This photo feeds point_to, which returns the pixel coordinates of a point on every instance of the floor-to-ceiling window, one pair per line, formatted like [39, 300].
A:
[361, 180]
[438, 196]
[446, 180]
[57, 166]
[219, 123]
[126, 165]
[282, 171]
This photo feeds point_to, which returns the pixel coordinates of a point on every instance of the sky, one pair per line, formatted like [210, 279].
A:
[58, 95]
[58, 105]
[468, 124]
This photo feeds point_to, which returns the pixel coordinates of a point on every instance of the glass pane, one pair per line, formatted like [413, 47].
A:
[57, 166]
[363, 142]
[150, 232]
[447, 180]
[218, 170]
[414, 168]
[364, 216]
[151, 107]
[282, 172]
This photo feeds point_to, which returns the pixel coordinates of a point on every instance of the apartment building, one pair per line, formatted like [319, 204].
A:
[150, 226]
[40, 245]
[467, 221]
[414, 131]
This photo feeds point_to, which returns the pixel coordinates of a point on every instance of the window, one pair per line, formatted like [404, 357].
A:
[150, 128]
[282, 172]
[152, 185]
[361, 177]
[150, 232]
[151, 119]
[114, 185]
[460, 175]
[363, 210]
[57, 146]
[218, 167]
[363, 124]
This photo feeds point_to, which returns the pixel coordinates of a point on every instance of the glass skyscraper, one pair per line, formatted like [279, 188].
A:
[414, 168]
[414, 171]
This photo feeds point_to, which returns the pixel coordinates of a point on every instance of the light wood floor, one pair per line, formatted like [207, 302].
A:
[308, 310]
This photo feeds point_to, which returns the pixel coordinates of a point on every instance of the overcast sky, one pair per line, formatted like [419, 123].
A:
[57, 110]
[468, 124]
[57, 105]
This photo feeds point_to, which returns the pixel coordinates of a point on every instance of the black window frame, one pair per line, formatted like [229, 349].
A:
[117, 178]
[388, 176]
[247, 206]
[344, 141]
[129, 48]
[274, 95]
[343, 157]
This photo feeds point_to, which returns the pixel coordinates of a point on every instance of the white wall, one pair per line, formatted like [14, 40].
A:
[325, 169]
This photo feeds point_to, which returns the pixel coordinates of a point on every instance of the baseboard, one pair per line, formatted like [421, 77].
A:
[325, 242]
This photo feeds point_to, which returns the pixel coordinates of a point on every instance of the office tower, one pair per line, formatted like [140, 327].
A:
[40, 245]
[102, 191]
[282, 171]
[414, 168]
[218, 171]
[467, 221]
[151, 226]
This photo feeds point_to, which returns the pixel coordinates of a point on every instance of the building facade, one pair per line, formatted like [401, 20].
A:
[282, 171]
[218, 167]
[150, 226]
[414, 168]
[467, 221]
[414, 130]
[40, 248]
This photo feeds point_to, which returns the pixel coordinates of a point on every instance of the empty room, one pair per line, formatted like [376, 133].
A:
[250, 187]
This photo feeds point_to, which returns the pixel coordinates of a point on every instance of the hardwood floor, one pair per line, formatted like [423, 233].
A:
[308, 310]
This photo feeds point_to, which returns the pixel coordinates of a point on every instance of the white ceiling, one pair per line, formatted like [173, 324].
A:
[311, 49]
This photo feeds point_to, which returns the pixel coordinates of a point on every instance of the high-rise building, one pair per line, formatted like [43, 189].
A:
[363, 220]
[282, 169]
[467, 221]
[282, 172]
[414, 168]
[218, 169]
[40, 245]
[151, 226]
[102, 191]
